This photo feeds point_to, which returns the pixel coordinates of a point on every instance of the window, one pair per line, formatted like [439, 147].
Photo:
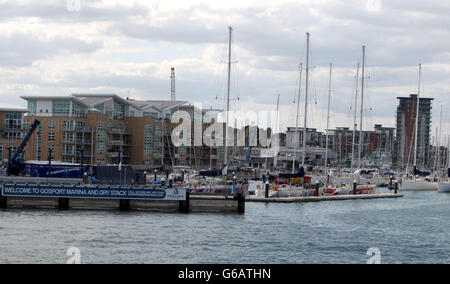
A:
[101, 132]
[148, 134]
[151, 114]
[68, 125]
[61, 108]
[32, 107]
[101, 148]
[78, 110]
[100, 161]
[119, 111]
[51, 147]
[51, 137]
[52, 124]
[13, 120]
[100, 108]
[67, 137]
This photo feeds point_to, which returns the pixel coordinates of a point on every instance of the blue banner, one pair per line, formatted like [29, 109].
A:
[103, 192]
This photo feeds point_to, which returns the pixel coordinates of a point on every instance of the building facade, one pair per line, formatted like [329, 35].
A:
[405, 137]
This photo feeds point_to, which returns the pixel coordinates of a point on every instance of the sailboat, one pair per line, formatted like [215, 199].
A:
[348, 188]
[417, 184]
[445, 186]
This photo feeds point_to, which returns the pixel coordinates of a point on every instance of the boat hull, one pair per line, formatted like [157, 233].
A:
[444, 187]
[418, 185]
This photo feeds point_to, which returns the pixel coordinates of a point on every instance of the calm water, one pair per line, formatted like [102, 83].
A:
[413, 229]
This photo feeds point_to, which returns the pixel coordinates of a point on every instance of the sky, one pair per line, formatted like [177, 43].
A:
[59, 47]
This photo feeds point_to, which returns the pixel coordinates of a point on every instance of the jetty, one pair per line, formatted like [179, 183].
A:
[113, 197]
[322, 198]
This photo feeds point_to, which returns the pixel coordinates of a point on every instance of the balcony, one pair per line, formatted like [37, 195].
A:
[78, 141]
[12, 128]
[75, 154]
[116, 155]
[119, 131]
[79, 129]
[118, 143]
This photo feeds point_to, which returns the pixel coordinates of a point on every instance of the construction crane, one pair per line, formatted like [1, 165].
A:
[15, 163]
[172, 84]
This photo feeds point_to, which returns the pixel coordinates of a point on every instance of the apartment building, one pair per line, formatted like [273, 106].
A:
[406, 124]
[103, 129]
[12, 131]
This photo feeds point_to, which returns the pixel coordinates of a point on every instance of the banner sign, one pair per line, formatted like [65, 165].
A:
[103, 192]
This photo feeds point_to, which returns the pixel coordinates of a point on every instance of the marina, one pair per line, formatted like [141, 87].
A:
[215, 132]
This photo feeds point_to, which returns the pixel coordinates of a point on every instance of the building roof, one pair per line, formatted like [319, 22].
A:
[67, 97]
[15, 109]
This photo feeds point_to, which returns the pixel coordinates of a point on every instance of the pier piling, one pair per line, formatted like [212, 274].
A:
[63, 203]
[3, 201]
[396, 187]
[241, 203]
[354, 187]
[124, 205]
[184, 205]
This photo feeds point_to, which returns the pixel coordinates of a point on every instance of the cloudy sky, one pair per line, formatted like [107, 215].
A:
[58, 47]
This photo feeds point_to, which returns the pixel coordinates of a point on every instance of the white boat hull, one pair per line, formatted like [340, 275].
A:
[444, 187]
[418, 185]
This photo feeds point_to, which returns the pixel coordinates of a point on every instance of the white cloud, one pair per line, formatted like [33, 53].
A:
[120, 46]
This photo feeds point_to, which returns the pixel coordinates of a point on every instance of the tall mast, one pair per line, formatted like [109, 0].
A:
[328, 117]
[296, 119]
[438, 145]
[275, 159]
[361, 138]
[354, 119]
[417, 121]
[448, 156]
[228, 97]
[306, 99]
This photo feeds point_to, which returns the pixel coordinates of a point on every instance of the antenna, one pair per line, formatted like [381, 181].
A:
[172, 84]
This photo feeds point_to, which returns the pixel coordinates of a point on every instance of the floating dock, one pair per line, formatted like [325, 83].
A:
[322, 198]
[123, 198]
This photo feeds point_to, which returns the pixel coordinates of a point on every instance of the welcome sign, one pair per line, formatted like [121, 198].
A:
[103, 192]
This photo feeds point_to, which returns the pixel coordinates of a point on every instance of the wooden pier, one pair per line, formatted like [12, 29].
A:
[323, 198]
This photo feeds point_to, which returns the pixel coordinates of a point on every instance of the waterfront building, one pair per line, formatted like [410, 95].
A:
[12, 131]
[406, 121]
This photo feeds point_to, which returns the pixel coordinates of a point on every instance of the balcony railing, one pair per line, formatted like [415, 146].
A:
[79, 129]
[77, 141]
[116, 155]
[76, 153]
[119, 131]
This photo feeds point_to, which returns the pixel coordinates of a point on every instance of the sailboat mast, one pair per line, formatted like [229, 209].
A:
[275, 159]
[354, 118]
[228, 97]
[361, 138]
[417, 121]
[296, 118]
[328, 117]
[438, 145]
[306, 99]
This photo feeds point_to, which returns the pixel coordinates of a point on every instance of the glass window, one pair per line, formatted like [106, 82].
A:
[51, 137]
[32, 107]
[78, 110]
[51, 124]
[13, 120]
[61, 108]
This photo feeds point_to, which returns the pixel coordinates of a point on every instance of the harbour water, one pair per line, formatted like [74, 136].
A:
[413, 229]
